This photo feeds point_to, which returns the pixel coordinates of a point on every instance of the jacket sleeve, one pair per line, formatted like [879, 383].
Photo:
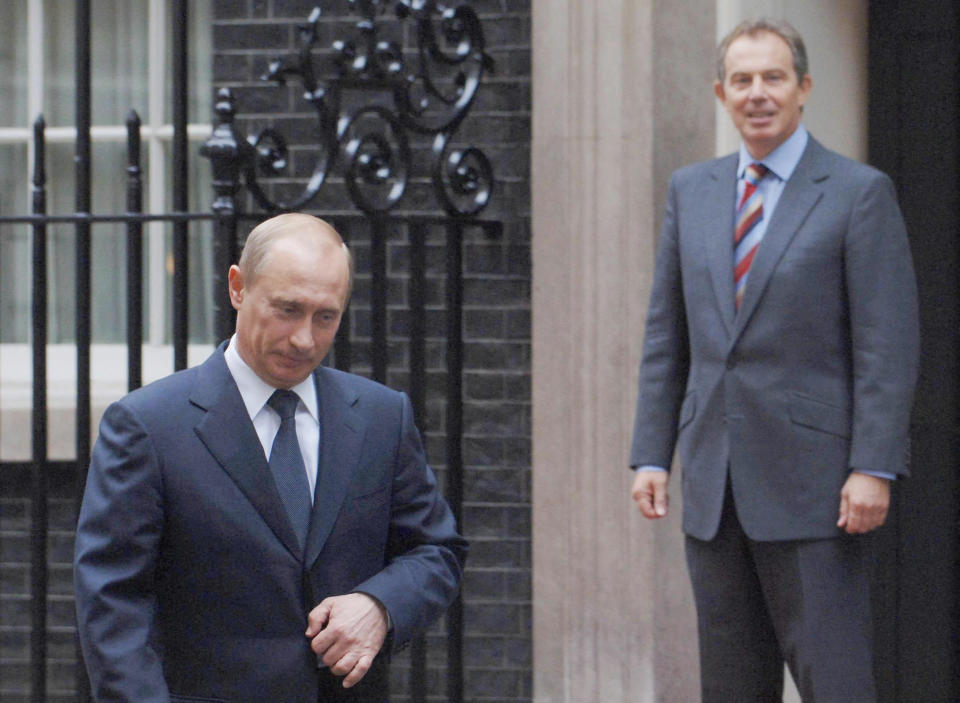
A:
[884, 329]
[425, 554]
[115, 560]
[666, 356]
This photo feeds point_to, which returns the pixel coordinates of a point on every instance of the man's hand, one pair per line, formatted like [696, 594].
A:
[650, 493]
[864, 501]
[346, 632]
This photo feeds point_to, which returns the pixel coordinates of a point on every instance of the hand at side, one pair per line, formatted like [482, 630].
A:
[864, 501]
[650, 493]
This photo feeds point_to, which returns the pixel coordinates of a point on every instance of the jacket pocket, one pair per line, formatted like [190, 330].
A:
[817, 415]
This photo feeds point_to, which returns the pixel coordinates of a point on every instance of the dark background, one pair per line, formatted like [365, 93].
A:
[914, 98]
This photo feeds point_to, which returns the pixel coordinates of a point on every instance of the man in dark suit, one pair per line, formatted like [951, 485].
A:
[260, 527]
[779, 359]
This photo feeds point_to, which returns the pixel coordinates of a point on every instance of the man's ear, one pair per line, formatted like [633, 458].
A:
[718, 91]
[235, 286]
[806, 85]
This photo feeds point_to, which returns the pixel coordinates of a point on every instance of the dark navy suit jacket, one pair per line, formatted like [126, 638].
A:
[190, 582]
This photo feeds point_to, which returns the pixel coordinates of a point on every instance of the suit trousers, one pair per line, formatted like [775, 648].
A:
[374, 687]
[806, 602]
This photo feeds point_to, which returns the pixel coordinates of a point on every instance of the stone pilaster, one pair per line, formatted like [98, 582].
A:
[621, 97]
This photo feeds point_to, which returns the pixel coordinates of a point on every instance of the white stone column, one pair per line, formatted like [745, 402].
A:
[622, 96]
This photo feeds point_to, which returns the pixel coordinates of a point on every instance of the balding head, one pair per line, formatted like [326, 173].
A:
[290, 291]
[256, 250]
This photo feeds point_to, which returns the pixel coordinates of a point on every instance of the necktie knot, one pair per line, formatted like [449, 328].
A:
[284, 402]
[755, 172]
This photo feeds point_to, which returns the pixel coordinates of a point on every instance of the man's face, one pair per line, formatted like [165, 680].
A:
[761, 92]
[289, 313]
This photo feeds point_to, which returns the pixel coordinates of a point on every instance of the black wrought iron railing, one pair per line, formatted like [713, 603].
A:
[380, 109]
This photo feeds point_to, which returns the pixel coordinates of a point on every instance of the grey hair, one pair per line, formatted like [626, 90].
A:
[752, 28]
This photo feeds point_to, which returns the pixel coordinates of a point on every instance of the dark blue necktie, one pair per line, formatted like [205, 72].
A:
[286, 464]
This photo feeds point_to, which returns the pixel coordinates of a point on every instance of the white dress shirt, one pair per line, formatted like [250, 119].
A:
[266, 421]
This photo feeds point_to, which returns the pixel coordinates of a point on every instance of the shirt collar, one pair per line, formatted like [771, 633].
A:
[256, 392]
[781, 161]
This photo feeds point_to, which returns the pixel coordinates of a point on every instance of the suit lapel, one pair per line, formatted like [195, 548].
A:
[341, 431]
[800, 194]
[719, 198]
[228, 434]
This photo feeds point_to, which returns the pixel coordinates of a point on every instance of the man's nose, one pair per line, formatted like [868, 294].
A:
[757, 91]
[301, 337]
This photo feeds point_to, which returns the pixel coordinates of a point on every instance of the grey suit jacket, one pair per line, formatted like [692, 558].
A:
[813, 377]
[190, 581]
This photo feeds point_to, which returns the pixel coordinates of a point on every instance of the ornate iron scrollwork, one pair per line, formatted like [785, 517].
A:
[373, 140]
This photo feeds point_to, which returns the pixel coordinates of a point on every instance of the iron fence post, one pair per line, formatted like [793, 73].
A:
[223, 150]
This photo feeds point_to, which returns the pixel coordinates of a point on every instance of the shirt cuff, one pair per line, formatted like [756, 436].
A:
[877, 474]
[649, 467]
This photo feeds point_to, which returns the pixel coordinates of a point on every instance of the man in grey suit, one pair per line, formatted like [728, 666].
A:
[779, 360]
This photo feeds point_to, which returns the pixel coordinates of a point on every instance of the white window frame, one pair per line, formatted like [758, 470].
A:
[108, 361]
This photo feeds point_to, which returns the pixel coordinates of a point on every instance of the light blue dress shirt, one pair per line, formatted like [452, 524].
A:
[781, 163]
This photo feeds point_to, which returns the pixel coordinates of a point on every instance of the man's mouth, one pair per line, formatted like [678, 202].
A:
[292, 360]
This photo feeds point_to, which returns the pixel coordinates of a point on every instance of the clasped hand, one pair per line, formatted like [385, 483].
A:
[347, 632]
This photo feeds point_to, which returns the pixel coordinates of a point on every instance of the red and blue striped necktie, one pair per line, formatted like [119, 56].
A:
[746, 238]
